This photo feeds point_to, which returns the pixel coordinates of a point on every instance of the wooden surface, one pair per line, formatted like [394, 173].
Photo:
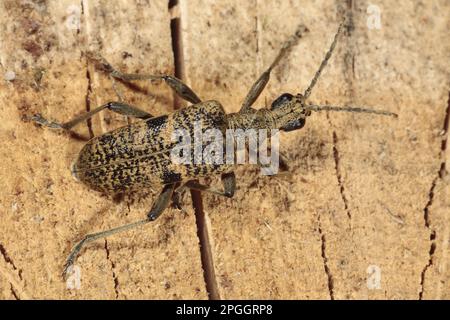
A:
[364, 194]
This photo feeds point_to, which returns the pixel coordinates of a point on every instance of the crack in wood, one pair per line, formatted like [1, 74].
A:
[432, 249]
[113, 268]
[205, 247]
[330, 282]
[345, 10]
[13, 292]
[426, 211]
[88, 100]
[349, 57]
[87, 97]
[88, 108]
[9, 260]
[339, 174]
[206, 256]
[443, 169]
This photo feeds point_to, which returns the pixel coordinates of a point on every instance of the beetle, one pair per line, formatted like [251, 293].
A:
[137, 156]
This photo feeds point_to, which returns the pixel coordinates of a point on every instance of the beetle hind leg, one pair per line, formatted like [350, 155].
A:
[161, 203]
[94, 236]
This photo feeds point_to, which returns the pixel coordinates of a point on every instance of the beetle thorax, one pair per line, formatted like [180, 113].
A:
[268, 119]
[253, 119]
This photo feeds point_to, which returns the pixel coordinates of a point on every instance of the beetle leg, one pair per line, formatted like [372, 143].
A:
[118, 107]
[180, 88]
[260, 84]
[229, 185]
[94, 236]
[162, 202]
[158, 207]
[176, 197]
[128, 110]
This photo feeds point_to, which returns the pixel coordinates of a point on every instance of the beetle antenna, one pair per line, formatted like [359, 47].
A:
[324, 61]
[314, 107]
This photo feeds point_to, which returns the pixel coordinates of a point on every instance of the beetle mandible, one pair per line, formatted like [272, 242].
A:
[138, 155]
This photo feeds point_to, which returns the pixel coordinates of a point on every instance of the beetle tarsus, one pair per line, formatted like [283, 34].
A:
[46, 123]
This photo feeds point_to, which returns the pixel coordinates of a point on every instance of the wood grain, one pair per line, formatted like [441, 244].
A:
[364, 193]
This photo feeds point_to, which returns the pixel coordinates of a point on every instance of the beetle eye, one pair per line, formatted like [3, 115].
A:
[278, 102]
[294, 125]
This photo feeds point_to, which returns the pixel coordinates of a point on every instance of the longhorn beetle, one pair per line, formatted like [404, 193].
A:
[138, 155]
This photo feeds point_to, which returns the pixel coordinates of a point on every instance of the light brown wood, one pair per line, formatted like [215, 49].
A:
[365, 193]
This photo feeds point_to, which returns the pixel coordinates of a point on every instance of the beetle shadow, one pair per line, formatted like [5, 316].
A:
[86, 227]
[77, 136]
[309, 152]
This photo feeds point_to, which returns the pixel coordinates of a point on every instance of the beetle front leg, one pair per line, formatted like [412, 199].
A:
[161, 203]
[178, 86]
[118, 107]
[262, 81]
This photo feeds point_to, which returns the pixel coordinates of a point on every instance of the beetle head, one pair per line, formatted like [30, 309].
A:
[287, 100]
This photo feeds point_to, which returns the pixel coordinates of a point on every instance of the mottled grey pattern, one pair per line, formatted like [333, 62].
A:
[138, 155]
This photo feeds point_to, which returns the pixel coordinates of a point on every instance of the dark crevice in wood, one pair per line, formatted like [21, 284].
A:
[205, 247]
[426, 217]
[202, 229]
[339, 175]
[87, 97]
[9, 260]
[350, 54]
[443, 169]
[330, 282]
[113, 268]
[6, 256]
[426, 211]
[345, 10]
[88, 101]
[172, 3]
[175, 28]
[13, 292]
